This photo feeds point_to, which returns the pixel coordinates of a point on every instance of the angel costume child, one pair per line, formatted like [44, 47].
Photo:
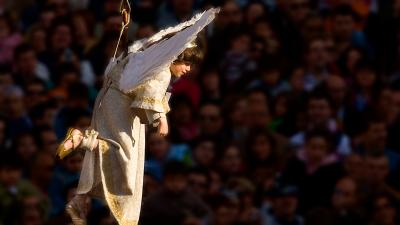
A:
[134, 93]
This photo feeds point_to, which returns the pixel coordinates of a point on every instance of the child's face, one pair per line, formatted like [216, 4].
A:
[316, 149]
[179, 69]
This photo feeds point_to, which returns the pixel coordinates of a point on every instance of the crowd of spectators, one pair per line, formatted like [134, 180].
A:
[292, 118]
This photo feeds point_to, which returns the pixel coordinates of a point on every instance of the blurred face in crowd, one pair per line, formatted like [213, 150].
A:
[210, 82]
[182, 6]
[35, 94]
[42, 169]
[385, 212]
[47, 17]
[316, 149]
[210, 119]
[204, 153]
[158, 146]
[49, 140]
[285, 206]
[227, 213]
[61, 38]
[198, 183]
[345, 194]
[150, 185]
[9, 177]
[261, 148]
[376, 136]
[26, 146]
[231, 14]
[237, 114]
[377, 168]
[241, 44]
[61, 7]
[38, 40]
[343, 27]
[145, 31]
[365, 78]
[26, 63]
[179, 69]
[354, 166]
[231, 161]
[317, 57]
[258, 115]
[336, 88]
[2, 131]
[215, 183]
[81, 28]
[281, 106]
[353, 57]
[298, 10]
[113, 24]
[297, 80]
[74, 162]
[319, 111]
[5, 30]
[111, 6]
[254, 11]
[175, 183]
[16, 106]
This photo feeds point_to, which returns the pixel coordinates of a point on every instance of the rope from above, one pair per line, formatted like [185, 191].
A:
[125, 10]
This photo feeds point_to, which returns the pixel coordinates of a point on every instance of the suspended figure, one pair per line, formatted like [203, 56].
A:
[134, 94]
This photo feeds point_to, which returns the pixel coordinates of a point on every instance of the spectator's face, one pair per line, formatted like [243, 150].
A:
[316, 149]
[74, 163]
[231, 162]
[281, 106]
[377, 169]
[198, 183]
[4, 29]
[271, 77]
[182, 6]
[231, 14]
[317, 55]
[285, 206]
[2, 131]
[337, 89]
[10, 177]
[261, 147]
[385, 213]
[158, 146]
[204, 153]
[254, 11]
[42, 171]
[343, 27]
[35, 94]
[344, 196]
[16, 106]
[210, 82]
[297, 80]
[49, 140]
[298, 10]
[238, 114]
[113, 25]
[61, 7]
[210, 119]
[365, 78]
[241, 44]
[227, 214]
[26, 63]
[62, 37]
[111, 6]
[145, 32]
[26, 147]
[354, 166]
[175, 183]
[38, 40]
[47, 17]
[319, 111]
[215, 184]
[31, 216]
[258, 115]
[376, 136]
[49, 117]
[353, 57]
[150, 185]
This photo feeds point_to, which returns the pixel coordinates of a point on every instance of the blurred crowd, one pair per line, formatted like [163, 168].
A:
[292, 118]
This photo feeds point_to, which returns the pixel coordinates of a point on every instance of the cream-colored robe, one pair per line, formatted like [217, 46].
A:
[134, 94]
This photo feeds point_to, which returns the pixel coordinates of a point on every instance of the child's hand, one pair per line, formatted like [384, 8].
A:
[163, 126]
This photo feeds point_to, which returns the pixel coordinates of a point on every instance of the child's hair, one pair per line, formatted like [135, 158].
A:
[192, 55]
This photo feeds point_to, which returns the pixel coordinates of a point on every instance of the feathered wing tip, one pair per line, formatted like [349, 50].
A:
[143, 43]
